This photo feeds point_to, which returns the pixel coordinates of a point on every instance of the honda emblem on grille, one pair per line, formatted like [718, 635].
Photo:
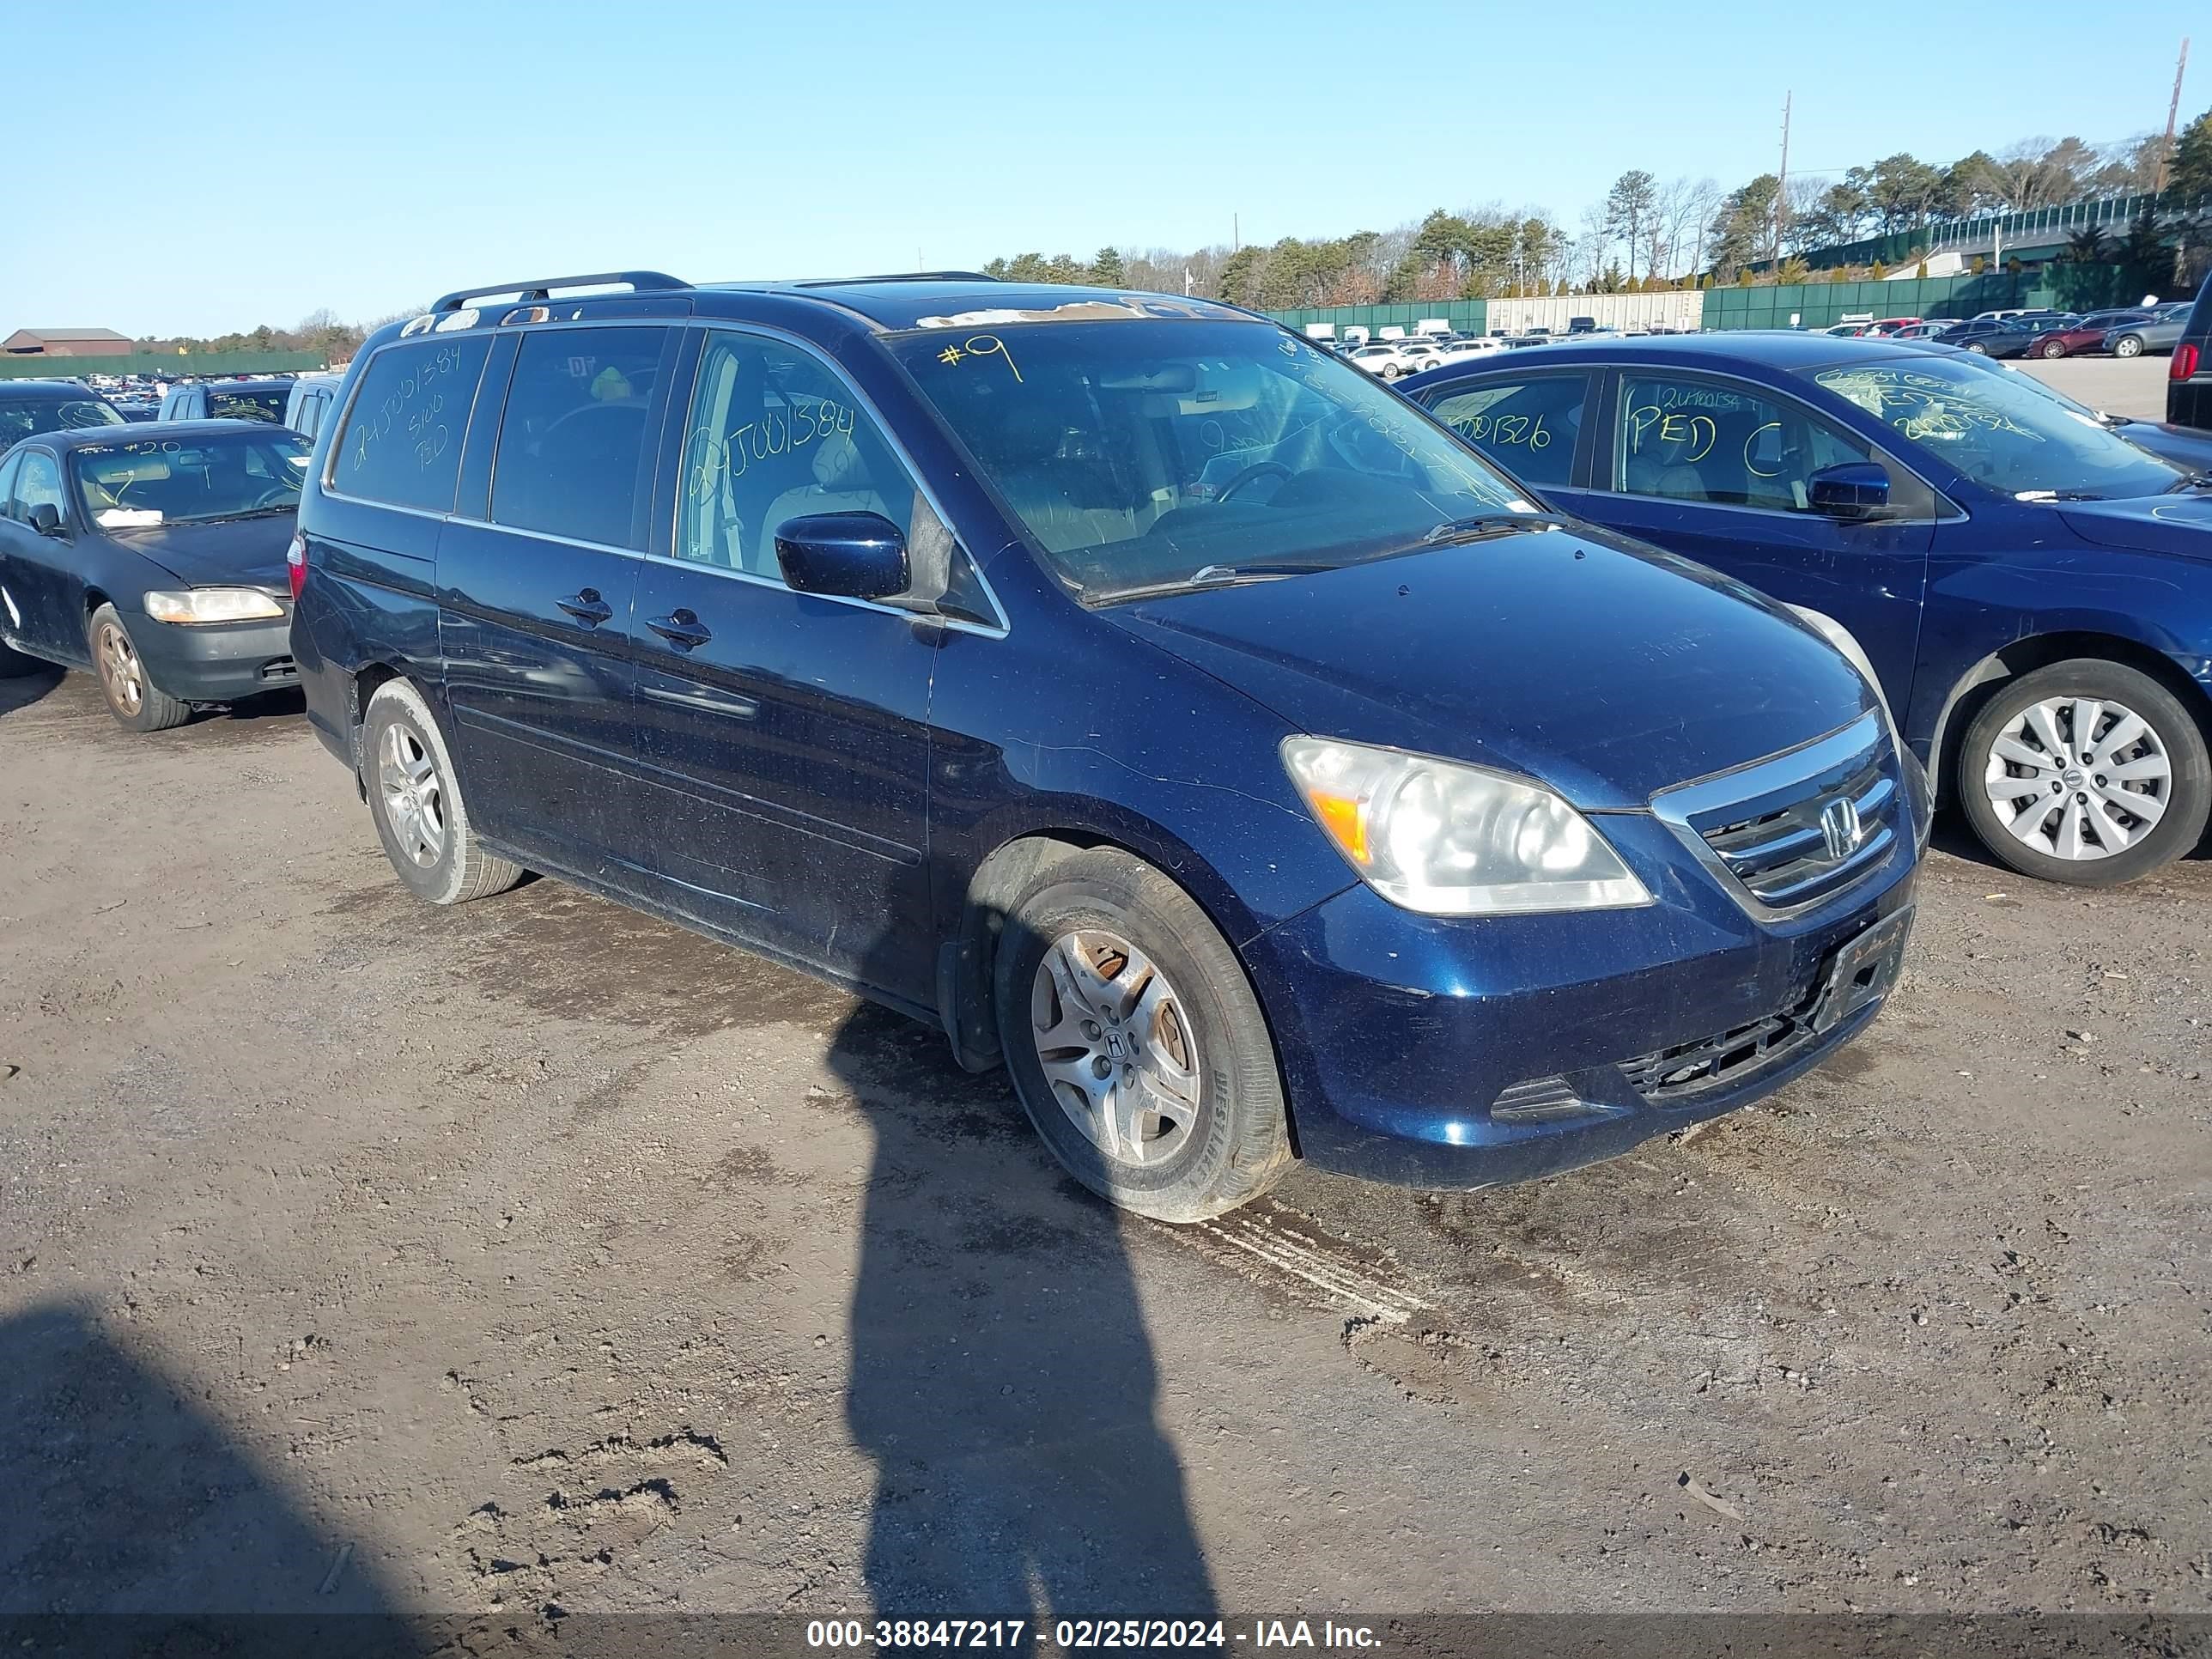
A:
[1839, 827]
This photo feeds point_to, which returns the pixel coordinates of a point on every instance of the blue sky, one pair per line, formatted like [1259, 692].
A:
[273, 159]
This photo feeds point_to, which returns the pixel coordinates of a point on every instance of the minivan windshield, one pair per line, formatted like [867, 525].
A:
[21, 415]
[230, 475]
[1153, 454]
[1999, 433]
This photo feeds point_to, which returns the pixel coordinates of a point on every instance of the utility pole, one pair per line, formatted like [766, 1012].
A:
[1781, 180]
[1235, 237]
[2173, 109]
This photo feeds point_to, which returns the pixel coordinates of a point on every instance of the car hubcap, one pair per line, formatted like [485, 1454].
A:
[1116, 1049]
[119, 670]
[2078, 778]
[414, 796]
[2126, 349]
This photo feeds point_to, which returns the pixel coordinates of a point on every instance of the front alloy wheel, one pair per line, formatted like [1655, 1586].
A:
[2086, 772]
[132, 697]
[2127, 346]
[1115, 1047]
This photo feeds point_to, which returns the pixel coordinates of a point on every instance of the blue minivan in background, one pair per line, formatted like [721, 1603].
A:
[2034, 591]
[1120, 683]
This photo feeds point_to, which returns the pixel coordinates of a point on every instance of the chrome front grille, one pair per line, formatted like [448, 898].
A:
[1801, 826]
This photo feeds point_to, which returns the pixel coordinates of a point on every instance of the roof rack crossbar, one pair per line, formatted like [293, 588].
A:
[901, 276]
[542, 288]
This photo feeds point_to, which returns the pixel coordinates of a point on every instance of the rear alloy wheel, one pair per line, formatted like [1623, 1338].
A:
[2127, 345]
[1136, 1043]
[132, 697]
[2086, 772]
[416, 805]
[1979, 350]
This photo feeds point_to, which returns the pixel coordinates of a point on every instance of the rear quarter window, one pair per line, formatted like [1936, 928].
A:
[402, 442]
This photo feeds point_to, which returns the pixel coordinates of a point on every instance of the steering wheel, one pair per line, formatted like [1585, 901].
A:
[1247, 475]
[273, 496]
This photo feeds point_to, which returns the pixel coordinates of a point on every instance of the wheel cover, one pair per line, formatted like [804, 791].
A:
[2079, 778]
[120, 673]
[1117, 1051]
[414, 795]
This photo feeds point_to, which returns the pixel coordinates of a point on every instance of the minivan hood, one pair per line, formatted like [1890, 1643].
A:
[1604, 668]
[2148, 523]
[239, 553]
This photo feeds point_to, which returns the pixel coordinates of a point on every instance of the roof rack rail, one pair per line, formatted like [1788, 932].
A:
[542, 288]
[900, 276]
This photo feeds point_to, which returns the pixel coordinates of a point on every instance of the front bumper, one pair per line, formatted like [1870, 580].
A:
[1399, 1033]
[216, 662]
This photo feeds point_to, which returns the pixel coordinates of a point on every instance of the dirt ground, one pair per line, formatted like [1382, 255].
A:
[534, 1256]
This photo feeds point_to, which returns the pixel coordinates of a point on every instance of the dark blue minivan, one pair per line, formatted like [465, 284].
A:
[1119, 682]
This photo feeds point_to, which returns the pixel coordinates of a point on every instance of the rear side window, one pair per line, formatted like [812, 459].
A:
[1528, 426]
[402, 443]
[573, 441]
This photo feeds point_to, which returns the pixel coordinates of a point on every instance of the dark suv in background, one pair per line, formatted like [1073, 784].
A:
[227, 400]
[1121, 683]
[2189, 376]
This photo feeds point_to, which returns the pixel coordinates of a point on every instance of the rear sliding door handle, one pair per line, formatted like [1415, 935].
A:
[586, 607]
[681, 628]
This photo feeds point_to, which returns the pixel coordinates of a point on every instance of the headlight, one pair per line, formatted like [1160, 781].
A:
[1449, 840]
[213, 605]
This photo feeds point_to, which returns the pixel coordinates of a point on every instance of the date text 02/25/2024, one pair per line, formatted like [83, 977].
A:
[1071, 1635]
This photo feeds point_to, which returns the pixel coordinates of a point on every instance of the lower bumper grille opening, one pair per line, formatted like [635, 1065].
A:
[1539, 1100]
[281, 668]
[1690, 1068]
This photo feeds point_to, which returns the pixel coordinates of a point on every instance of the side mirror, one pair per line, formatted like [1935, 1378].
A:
[46, 519]
[1850, 489]
[849, 555]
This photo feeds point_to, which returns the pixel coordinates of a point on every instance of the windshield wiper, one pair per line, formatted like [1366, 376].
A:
[1215, 575]
[2189, 480]
[232, 518]
[1476, 526]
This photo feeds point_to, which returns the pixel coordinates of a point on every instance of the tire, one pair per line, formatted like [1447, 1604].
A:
[1204, 1052]
[136, 702]
[415, 799]
[2053, 349]
[2127, 345]
[2086, 834]
[1979, 350]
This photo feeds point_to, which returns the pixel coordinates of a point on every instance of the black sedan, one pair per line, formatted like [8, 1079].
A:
[155, 556]
[2010, 336]
[29, 406]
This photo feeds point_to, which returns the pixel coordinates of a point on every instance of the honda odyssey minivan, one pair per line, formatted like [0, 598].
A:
[1119, 682]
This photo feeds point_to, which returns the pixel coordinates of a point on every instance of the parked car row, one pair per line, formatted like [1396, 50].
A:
[1449, 787]
[27, 406]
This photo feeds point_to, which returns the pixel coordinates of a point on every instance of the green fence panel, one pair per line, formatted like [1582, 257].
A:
[168, 365]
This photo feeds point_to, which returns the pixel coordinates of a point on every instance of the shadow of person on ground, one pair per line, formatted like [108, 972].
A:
[19, 690]
[135, 1524]
[1002, 1379]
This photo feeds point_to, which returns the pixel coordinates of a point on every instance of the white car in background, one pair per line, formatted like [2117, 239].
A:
[1384, 359]
[1417, 354]
[1466, 346]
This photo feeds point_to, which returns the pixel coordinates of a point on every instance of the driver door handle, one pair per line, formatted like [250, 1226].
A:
[586, 607]
[681, 628]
